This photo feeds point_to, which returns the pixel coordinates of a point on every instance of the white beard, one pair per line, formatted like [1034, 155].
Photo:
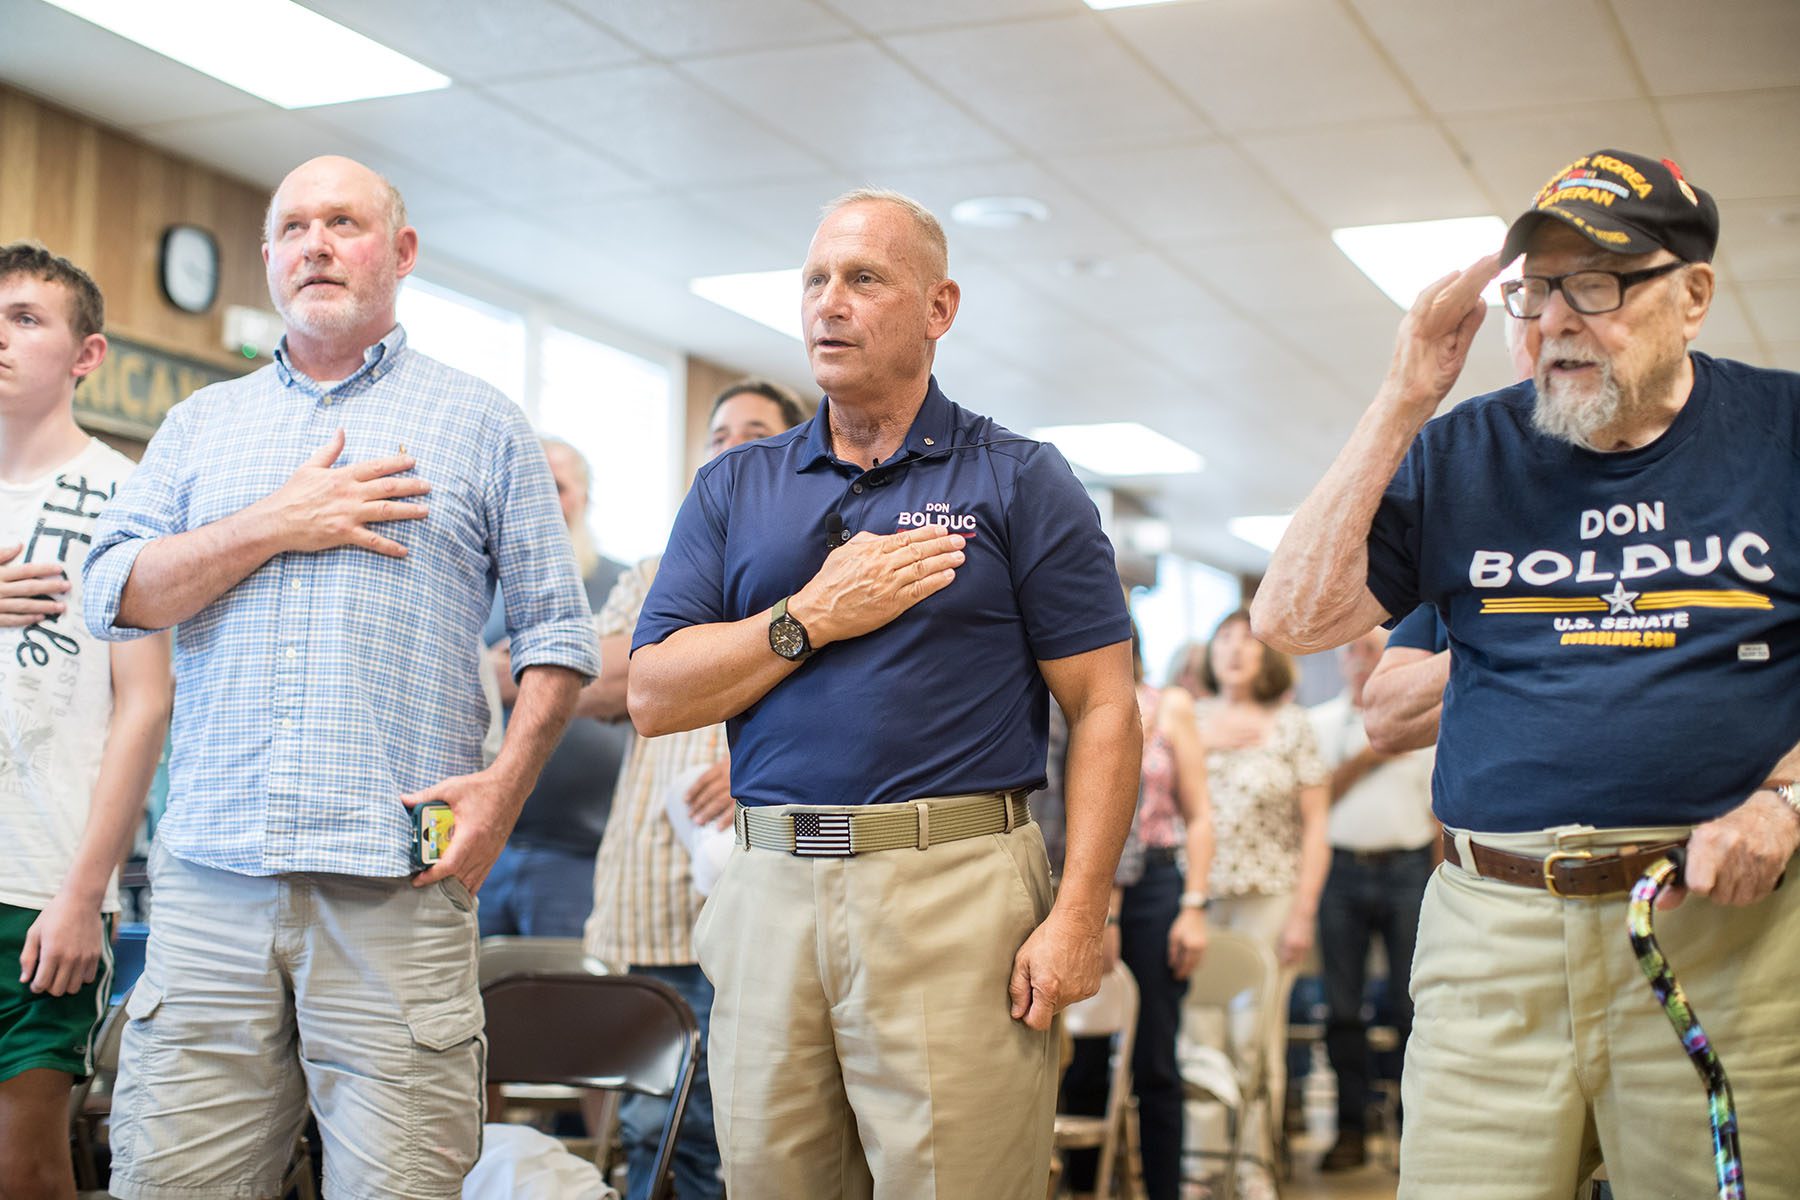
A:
[1568, 414]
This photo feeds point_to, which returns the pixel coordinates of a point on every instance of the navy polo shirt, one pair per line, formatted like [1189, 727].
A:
[945, 699]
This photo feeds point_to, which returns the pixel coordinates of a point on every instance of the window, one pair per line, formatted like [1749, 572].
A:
[1189, 599]
[468, 334]
[618, 410]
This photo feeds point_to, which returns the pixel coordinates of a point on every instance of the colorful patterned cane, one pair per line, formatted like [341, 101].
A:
[1728, 1164]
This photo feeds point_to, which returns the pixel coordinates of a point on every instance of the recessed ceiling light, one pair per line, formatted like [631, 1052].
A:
[231, 39]
[1103, 5]
[1403, 259]
[769, 298]
[999, 212]
[1263, 532]
[1121, 448]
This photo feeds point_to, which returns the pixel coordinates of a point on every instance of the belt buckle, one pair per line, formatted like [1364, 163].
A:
[1550, 861]
[822, 835]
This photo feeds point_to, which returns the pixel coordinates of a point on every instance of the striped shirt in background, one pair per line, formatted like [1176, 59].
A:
[645, 905]
[324, 686]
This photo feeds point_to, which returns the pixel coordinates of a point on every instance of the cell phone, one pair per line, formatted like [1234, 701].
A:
[433, 823]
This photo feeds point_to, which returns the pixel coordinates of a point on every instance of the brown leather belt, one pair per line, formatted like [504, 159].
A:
[1579, 874]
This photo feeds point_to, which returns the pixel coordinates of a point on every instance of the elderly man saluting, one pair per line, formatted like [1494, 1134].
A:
[880, 602]
[327, 532]
[1612, 547]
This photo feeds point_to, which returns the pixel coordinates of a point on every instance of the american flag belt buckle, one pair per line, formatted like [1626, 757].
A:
[822, 835]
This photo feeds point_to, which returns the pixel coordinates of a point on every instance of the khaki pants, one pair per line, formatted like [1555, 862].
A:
[862, 1043]
[1538, 1049]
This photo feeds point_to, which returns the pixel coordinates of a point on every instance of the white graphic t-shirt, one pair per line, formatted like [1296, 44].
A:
[55, 683]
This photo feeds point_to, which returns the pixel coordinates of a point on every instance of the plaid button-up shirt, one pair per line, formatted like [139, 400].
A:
[324, 686]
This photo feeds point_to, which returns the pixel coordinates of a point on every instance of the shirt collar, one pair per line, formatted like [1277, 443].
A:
[930, 431]
[378, 360]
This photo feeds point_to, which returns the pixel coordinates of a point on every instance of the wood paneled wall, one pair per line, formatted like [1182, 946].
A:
[103, 201]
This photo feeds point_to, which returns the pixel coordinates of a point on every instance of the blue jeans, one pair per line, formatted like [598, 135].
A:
[1367, 894]
[537, 891]
[1147, 909]
[641, 1117]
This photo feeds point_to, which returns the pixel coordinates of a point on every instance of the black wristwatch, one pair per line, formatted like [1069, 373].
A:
[787, 637]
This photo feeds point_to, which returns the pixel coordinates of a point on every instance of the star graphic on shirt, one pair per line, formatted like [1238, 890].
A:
[1620, 599]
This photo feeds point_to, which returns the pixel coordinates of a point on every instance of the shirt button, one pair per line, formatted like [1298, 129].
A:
[295, 585]
[857, 488]
[287, 722]
[293, 653]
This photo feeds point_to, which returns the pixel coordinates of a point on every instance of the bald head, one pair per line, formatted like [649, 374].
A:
[333, 173]
[930, 248]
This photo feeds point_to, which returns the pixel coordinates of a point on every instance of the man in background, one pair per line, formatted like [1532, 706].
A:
[81, 722]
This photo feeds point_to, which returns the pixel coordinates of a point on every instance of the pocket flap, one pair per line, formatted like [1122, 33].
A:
[447, 1023]
[145, 998]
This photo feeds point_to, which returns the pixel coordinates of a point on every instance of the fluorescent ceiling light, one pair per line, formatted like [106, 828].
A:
[1263, 532]
[275, 49]
[1103, 5]
[769, 298]
[1121, 448]
[1403, 259]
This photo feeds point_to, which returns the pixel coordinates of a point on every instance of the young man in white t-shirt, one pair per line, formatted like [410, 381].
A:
[81, 721]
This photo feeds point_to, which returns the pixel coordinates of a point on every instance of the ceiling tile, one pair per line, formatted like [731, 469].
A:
[1246, 64]
[668, 236]
[1466, 58]
[1718, 46]
[884, 118]
[467, 136]
[1365, 175]
[1738, 146]
[884, 16]
[474, 40]
[660, 123]
[785, 212]
[686, 28]
[1270, 276]
[1513, 154]
[262, 147]
[1054, 85]
[1075, 228]
[1760, 239]
[1123, 290]
[83, 67]
[1196, 190]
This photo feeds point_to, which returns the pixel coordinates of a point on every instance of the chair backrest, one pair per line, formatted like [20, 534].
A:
[612, 1032]
[502, 956]
[1239, 974]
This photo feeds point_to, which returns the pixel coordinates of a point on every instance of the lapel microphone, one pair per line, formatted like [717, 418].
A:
[834, 530]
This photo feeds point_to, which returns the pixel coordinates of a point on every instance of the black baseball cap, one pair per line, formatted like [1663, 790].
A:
[1624, 203]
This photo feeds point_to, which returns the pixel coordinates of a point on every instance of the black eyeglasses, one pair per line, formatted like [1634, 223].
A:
[1588, 292]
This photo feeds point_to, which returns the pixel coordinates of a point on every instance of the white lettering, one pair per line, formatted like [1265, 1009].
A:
[1593, 523]
[1617, 513]
[1587, 573]
[1684, 556]
[1490, 569]
[1741, 545]
[1544, 566]
[1650, 516]
[1643, 560]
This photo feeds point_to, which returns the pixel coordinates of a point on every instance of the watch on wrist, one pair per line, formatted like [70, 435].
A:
[1788, 795]
[787, 637]
[1195, 900]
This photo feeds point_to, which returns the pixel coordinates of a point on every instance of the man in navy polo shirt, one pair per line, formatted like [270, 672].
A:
[880, 603]
[1612, 547]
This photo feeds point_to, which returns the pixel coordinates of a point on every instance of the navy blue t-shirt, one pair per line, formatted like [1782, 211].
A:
[945, 699]
[1421, 630]
[1624, 628]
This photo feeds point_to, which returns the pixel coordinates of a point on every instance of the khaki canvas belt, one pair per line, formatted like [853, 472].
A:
[1565, 873]
[809, 831]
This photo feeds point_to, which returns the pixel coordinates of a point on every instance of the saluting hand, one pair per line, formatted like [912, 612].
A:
[28, 591]
[873, 578]
[321, 507]
[1435, 337]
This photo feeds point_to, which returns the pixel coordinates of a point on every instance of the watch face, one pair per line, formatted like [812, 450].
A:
[190, 268]
[787, 637]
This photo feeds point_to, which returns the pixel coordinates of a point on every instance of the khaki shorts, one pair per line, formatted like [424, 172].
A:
[262, 994]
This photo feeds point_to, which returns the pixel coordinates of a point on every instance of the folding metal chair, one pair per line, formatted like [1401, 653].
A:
[1237, 975]
[1110, 1012]
[616, 1033]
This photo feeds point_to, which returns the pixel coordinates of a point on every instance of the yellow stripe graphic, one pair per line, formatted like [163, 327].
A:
[1689, 598]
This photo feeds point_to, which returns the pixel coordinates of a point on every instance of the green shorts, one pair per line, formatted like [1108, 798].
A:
[38, 1030]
